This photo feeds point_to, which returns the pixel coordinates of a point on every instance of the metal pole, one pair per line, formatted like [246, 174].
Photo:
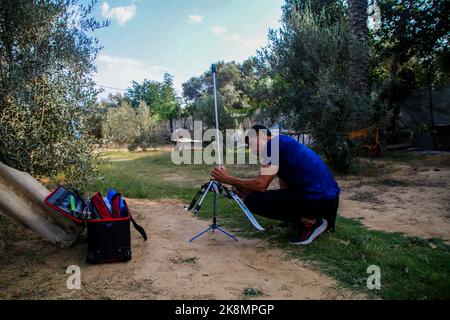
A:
[214, 209]
[216, 112]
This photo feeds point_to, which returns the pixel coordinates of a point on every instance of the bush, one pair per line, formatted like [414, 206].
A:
[150, 138]
[123, 124]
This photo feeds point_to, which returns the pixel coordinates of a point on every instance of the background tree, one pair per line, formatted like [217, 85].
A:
[147, 91]
[169, 106]
[411, 30]
[46, 91]
[124, 123]
[114, 100]
[308, 63]
[337, 9]
[358, 45]
[409, 48]
[133, 127]
[237, 87]
[160, 97]
[203, 110]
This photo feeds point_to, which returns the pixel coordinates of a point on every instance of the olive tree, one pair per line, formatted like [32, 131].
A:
[47, 93]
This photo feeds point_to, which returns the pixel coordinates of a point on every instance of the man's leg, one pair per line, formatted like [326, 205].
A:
[288, 205]
[282, 204]
[283, 185]
[329, 212]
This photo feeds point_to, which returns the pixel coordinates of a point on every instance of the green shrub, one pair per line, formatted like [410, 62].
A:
[150, 138]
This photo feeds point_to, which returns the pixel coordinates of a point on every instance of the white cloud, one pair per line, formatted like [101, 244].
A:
[118, 72]
[120, 14]
[196, 18]
[219, 30]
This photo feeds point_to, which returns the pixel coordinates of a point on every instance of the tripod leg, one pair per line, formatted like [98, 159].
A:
[201, 233]
[216, 188]
[228, 234]
[244, 209]
[197, 195]
[199, 205]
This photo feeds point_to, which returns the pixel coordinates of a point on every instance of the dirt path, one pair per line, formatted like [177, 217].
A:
[168, 267]
[403, 199]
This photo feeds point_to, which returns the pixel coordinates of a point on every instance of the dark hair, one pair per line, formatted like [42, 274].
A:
[258, 127]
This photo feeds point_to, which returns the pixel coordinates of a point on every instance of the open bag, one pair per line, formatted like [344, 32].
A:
[107, 220]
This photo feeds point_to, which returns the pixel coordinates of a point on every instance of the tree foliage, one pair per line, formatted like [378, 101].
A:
[308, 63]
[133, 127]
[46, 90]
[337, 9]
[124, 123]
[160, 97]
[412, 29]
[409, 49]
[411, 44]
[238, 87]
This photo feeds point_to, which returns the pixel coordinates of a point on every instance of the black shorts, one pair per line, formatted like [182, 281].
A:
[290, 205]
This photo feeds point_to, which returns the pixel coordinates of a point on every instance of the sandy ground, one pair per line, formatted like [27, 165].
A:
[398, 198]
[168, 267]
[413, 201]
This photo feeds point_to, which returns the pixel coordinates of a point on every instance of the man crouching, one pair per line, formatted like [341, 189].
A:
[308, 196]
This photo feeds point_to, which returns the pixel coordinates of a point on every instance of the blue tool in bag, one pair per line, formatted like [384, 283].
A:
[112, 193]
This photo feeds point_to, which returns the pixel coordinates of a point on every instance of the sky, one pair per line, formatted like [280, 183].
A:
[147, 38]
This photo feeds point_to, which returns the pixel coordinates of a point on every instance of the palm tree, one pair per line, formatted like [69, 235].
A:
[358, 47]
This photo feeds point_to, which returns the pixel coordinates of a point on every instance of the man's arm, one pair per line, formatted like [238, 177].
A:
[260, 183]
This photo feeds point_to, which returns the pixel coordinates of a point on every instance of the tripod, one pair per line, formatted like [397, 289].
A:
[216, 187]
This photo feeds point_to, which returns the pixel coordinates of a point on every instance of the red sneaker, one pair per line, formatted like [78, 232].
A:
[309, 232]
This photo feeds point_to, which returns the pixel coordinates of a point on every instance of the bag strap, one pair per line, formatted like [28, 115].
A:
[139, 228]
[135, 224]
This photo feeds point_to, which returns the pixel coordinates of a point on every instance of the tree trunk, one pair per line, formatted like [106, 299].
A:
[358, 46]
[22, 200]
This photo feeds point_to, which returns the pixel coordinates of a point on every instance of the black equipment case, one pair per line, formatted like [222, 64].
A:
[108, 228]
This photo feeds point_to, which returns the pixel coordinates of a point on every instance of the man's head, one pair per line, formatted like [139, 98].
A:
[257, 137]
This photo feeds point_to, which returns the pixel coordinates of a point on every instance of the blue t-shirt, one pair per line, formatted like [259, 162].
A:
[302, 169]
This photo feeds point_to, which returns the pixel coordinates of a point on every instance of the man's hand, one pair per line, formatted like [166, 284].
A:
[220, 174]
[259, 184]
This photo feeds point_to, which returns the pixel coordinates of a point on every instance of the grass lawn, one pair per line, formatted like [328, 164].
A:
[411, 268]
